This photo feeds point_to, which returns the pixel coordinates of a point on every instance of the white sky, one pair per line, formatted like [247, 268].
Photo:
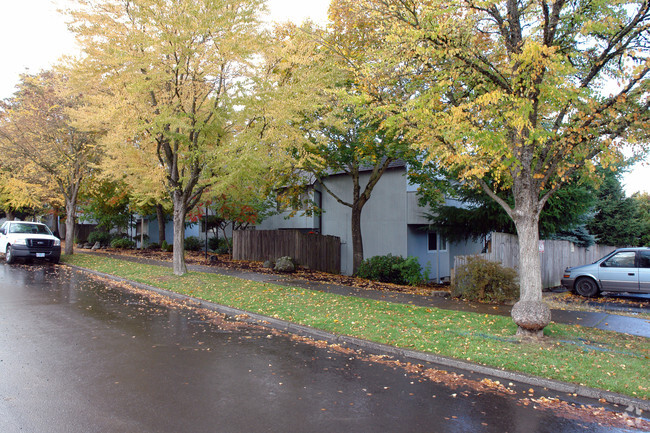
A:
[34, 36]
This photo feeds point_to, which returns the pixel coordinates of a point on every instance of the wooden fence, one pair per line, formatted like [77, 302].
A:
[555, 257]
[310, 250]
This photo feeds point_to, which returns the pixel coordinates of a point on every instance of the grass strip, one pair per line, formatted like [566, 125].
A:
[591, 357]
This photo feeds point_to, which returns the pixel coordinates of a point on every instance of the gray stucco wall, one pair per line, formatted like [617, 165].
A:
[280, 221]
[383, 219]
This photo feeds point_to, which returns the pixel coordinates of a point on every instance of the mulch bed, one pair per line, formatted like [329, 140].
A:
[225, 261]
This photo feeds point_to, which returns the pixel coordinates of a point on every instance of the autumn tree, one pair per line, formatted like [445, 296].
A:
[21, 189]
[167, 73]
[528, 94]
[334, 129]
[137, 169]
[231, 211]
[47, 151]
[107, 203]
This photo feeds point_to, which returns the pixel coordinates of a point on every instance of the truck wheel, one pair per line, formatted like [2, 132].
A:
[9, 257]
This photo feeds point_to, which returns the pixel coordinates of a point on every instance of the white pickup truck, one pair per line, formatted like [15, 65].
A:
[28, 240]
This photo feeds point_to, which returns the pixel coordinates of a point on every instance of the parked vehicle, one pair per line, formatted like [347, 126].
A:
[623, 270]
[28, 240]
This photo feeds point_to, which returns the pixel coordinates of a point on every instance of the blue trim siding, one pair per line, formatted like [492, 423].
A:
[193, 230]
[437, 262]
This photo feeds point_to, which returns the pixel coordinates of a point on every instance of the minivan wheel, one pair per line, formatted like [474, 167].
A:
[586, 287]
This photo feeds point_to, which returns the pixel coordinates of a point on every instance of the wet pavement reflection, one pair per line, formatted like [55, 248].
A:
[82, 355]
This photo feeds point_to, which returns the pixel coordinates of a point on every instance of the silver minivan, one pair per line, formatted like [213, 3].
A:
[623, 270]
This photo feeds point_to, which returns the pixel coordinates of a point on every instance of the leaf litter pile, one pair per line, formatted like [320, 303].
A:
[558, 300]
[463, 387]
[226, 262]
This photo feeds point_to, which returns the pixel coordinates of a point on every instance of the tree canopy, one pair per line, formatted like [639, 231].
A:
[44, 152]
[516, 92]
[166, 76]
[332, 128]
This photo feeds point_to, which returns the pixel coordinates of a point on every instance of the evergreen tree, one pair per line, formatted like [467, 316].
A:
[616, 221]
[643, 214]
[474, 214]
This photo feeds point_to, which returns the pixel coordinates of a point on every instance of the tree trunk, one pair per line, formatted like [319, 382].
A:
[357, 239]
[160, 215]
[10, 215]
[228, 242]
[530, 314]
[55, 222]
[530, 277]
[179, 266]
[69, 226]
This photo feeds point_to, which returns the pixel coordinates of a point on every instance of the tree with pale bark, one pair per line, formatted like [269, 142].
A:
[526, 93]
[166, 75]
[47, 156]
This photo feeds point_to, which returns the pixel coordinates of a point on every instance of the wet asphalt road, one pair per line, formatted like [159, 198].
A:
[77, 355]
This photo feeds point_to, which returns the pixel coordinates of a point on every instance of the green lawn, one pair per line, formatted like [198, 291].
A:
[591, 357]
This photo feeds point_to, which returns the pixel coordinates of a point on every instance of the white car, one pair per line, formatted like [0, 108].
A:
[28, 240]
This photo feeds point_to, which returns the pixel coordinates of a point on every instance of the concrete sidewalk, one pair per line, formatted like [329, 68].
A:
[601, 320]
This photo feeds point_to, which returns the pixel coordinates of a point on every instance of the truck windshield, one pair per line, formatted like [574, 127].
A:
[38, 229]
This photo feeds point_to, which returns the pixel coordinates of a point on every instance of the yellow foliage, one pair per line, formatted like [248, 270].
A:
[45, 157]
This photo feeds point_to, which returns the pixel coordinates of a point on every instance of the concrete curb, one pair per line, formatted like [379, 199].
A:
[633, 405]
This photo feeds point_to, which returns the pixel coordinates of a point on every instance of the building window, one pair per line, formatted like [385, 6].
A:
[436, 242]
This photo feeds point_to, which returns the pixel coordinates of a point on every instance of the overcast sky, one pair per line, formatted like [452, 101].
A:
[34, 36]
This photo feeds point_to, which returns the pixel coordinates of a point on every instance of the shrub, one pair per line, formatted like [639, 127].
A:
[482, 280]
[391, 269]
[166, 247]
[218, 245]
[122, 243]
[411, 271]
[104, 238]
[153, 246]
[192, 243]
